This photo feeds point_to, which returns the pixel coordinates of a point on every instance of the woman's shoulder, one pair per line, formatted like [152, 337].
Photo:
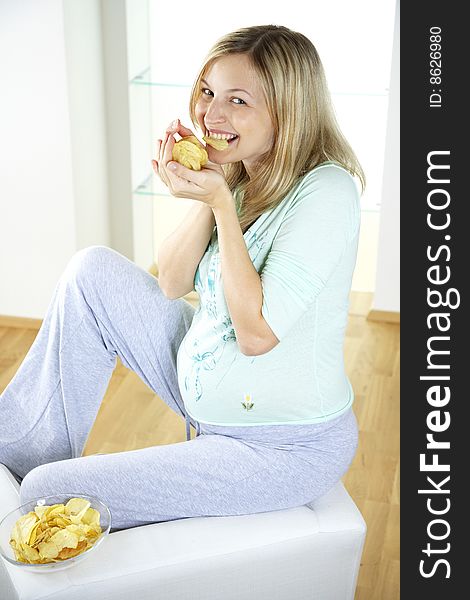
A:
[328, 171]
[328, 191]
[328, 179]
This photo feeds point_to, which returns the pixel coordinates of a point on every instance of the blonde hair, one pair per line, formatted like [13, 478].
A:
[306, 132]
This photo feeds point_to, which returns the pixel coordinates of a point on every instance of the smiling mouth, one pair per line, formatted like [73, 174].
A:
[230, 138]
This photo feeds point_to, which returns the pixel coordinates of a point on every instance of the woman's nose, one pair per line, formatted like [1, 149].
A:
[215, 113]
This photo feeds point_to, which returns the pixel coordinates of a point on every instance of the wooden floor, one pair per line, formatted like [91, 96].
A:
[372, 361]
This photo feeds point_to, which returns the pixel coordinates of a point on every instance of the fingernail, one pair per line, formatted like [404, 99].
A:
[172, 166]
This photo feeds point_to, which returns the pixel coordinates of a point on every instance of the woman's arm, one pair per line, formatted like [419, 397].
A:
[242, 285]
[180, 253]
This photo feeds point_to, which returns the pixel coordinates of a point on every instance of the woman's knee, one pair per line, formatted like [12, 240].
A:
[50, 479]
[91, 259]
[37, 483]
[92, 265]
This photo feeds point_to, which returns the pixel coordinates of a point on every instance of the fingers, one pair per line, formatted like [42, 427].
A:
[157, 162]
[184, 131]
[164, 150]
[173, 126]
[197, 178]
[167, 150]
[177, 127]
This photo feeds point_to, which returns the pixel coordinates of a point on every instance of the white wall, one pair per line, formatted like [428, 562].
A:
[142, 143]
[53, 180]
[364, 273]
[87, 114]
[115, 60]
[387, 288]
[37, 211]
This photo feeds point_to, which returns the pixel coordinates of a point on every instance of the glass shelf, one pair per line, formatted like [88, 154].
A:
[145, 78]
[356, 108]
[150, 186]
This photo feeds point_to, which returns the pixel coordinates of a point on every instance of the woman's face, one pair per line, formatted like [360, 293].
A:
[232, 102]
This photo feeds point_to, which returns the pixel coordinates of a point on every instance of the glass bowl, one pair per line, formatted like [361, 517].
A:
[7, 522]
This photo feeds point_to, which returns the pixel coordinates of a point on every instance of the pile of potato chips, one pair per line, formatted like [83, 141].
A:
[56, 532]
[190, 153]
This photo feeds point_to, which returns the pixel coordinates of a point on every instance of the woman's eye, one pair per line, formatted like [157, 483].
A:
[207, 92]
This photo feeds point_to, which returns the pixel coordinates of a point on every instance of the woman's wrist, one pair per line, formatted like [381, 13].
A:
[225, 208]
[204, 208]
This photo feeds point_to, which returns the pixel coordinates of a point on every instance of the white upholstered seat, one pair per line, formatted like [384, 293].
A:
[311, 552]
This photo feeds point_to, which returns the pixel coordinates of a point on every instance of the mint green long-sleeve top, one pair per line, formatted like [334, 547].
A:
[304, 251]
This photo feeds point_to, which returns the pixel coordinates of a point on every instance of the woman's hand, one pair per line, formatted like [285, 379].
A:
[207, 185]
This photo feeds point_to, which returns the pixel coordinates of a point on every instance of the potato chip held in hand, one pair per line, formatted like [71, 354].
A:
[215, 143]
[190, 153]
[55, 533]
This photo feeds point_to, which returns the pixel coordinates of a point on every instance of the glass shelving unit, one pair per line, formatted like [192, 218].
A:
[165, 98]
[160, 84]
[162, 102]
[166, 102]
[146, 78]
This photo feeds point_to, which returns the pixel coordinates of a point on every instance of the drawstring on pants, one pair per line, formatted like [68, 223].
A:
[188, 432]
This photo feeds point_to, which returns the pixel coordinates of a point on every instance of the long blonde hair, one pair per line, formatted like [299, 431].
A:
[306, 132]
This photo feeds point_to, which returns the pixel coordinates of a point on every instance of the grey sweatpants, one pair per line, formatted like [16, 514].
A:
[105, 306]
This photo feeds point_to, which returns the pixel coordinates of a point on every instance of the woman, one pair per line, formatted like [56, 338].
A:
[270, 247]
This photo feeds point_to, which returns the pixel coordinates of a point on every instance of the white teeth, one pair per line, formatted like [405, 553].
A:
[221, 136]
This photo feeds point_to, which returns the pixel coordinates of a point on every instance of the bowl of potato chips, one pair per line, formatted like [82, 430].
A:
[53, 533]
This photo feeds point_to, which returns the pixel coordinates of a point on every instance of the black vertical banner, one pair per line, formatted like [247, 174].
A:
[435, 267]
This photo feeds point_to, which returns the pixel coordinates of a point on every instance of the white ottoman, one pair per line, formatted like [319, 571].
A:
[311, 552]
